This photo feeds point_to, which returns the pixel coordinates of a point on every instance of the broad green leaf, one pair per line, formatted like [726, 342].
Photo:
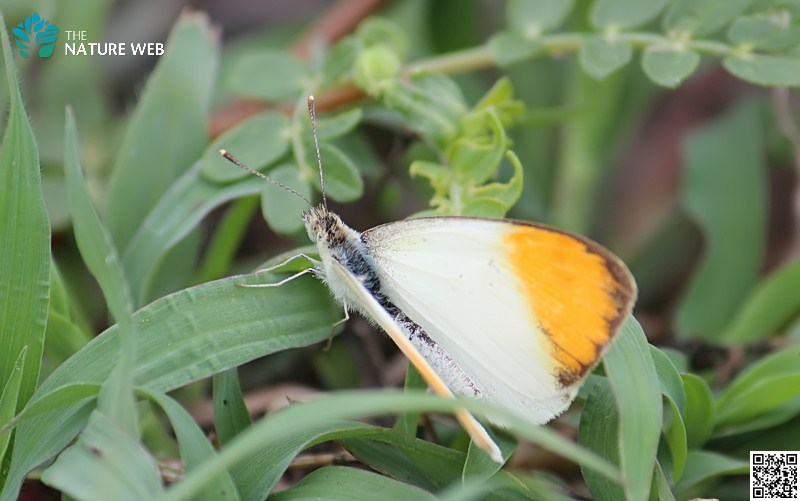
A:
[270, 74]
[765, 70]
[183, 337]
[509, 47]
[675, 435]
[724, 190]
[764, 397]
[231, 416]
[105, 463]
[382, 31]
[699, 414]
[599, 432]
[346, 484]
[624, 13]
[167, 131]
[60, 397]
[533, 17]
[661, 489]
[221, 250]
[339, 61]
[634, 381]
[474, 160]
[24, 242]
[347, 405]
[9, 399]
[407, 422]
[600, 56]
[703, 465]
[258, 142]
[195, 447]
[669, 66]
[766, 32]
[479, 466]
[343, 181]
[702, 17]
[668, 377]
[282, 210]
[771, 306]
[777, 368]
[506, 193]
[480, 207]
[432, 104]
[186, 203]
[336, 126]
[98, 252]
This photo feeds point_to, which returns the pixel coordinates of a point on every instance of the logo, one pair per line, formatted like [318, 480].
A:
[35, 32]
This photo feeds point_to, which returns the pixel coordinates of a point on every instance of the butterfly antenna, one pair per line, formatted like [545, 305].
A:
[232, 159]
[312, 114]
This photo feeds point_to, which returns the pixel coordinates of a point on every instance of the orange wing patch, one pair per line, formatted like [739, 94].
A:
[578, 291]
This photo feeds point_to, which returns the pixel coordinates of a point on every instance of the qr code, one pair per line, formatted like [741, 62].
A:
[773, 475]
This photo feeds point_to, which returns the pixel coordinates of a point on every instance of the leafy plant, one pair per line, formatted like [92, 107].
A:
[654, 423]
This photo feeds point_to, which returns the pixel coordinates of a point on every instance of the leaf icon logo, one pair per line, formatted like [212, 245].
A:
[36, 32]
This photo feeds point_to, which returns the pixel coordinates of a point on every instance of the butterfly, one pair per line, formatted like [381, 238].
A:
[510, 312]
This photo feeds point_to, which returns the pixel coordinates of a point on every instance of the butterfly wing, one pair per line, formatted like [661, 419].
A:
[372, 309]
[524, 310]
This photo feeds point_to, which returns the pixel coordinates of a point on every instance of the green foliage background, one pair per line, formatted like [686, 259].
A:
[529, 120]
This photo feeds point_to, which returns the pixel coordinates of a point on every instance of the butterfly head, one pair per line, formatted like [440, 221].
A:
[323, 226]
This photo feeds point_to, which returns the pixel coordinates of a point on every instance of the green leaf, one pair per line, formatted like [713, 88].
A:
[339, 61]
[634, 381]
[703, 465]
[624, 13]
[668, 377]
[94, 242]
[195, 447]
[258, 142]
[432, 104]
[24, 242]
[105, 463]
[675, 435]
[601, 56]
[282, 210]
[181, 338]
[474, 160]
[346, 484]
[167, 131]
[295, 418]
[702, 17]
[772, 305]
[407, 422]
[765, 70]
[699, 414]
[505, 193]
[599, 432]
[231, 416]
[375, 31]
[343, 181]
[336, 126]
[9, 399]
[767, 32]
[661, 488]
[186, 203]
[724, 190]
[533, 17]
[254, 75]
[479, 465]
[509, 47]
[669, 66]
[751, 390]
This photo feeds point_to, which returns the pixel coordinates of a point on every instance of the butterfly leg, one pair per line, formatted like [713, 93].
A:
[335, 325]
[280, 265]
